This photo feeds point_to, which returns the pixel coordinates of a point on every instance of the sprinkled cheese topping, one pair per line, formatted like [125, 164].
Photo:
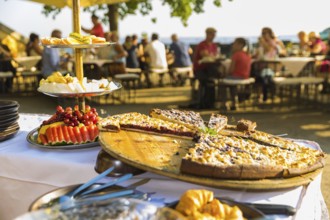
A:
[188, 118]
[226, 150]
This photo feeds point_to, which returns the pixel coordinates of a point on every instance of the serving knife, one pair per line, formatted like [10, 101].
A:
[267, 209]
[103, 191]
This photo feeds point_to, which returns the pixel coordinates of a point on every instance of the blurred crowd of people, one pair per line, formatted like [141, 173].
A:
[151, 53]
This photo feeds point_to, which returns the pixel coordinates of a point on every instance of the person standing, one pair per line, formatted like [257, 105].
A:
[51, 61]
[131, 49]
[97, 29]
[202, 71]
[118, 55]
[317, 46]
[6, 65]
[181, 52]
[33, 48]
[156, 51]
[142, 58]
[181, 55]
[303, 42]
[103, 52]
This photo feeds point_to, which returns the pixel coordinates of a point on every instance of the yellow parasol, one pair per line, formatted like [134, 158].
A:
[83, 3]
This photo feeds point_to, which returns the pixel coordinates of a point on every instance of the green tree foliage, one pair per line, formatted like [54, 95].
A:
[181, 9]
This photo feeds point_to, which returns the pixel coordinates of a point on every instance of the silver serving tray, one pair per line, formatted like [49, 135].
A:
[78, 46]
[32, 139]
[82, 94]
[50, 198]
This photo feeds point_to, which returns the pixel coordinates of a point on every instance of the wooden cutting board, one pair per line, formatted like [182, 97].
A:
[162, 155]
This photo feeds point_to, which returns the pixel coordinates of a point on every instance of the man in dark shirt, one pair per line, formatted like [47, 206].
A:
[180, 54]
[180, 51]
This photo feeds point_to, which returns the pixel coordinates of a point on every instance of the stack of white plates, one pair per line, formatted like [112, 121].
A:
[8, 119]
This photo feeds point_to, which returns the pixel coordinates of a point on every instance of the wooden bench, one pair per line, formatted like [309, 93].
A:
[236, 87]
[292, 87]
[180, 75]
[129, 81]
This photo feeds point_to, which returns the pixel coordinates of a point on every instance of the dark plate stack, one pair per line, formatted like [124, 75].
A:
[8, 119]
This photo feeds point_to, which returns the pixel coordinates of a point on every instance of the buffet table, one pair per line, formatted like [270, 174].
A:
[27, 172]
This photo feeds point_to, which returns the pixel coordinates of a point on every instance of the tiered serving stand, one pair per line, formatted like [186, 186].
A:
[78, 56]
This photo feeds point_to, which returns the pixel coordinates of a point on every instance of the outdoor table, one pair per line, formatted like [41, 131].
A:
[28, 62]
[294, 65]
[27, 172]
[98, 62]
[218, 65]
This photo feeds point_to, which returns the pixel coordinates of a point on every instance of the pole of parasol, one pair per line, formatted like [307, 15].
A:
[78, 51]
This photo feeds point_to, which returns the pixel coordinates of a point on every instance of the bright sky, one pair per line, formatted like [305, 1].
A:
[236, 18]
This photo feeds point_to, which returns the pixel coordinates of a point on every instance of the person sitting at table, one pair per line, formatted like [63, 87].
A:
[51, 60]
[97, 29]
[155, 51]
[268, 49]
[118, 55]
[33, 48]
[181, 53]
[143, 59]
[205, 49]
[6, 65]
[239, 68]
[317, 46]
[132, 53]
[303, 42]
[135, 40]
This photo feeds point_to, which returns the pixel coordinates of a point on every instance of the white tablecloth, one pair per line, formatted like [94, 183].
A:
[28, 62]
[99, 62]
[294, 65]
[27, 172]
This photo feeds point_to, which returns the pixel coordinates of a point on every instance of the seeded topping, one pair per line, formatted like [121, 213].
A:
[237, 147]
[189, 119]
[217, 122]
[135, 120]
[229, 150]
